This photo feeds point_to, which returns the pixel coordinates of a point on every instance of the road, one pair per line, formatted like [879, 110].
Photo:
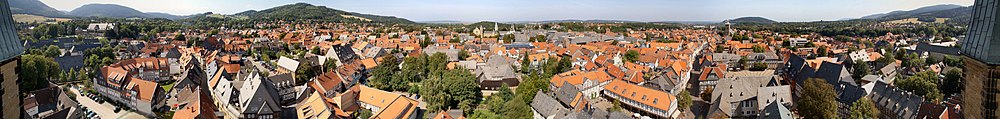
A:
[105, 110]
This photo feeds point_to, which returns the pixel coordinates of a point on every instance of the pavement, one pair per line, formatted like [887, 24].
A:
[105, 110]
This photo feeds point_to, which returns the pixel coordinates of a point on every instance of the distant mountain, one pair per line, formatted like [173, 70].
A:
[117, 11]
[107, 10]
[752, 20]
[914, 11]
[309, 11]
[587, 21]
[442, 22]
[34, 7]
[163, 15]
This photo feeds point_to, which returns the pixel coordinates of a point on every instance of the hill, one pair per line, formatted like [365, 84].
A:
[912, 12]
[752, 20]
[34, 7]
[107, 10]
[308, 11]
[116, 11]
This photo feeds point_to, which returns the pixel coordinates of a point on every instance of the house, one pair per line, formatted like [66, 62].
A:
[496, 72]
[775, 110]
[287, 65]
[194, 104]
[100, 26]
[546, 107]
[317, 107]
[50, 103]
[383, 104]
[589, 83]
[342, 54]
[132, 82]
[645, 101]
[571, 97]
[895, 103]
[746, 96]
[285, 84]
[257, 98]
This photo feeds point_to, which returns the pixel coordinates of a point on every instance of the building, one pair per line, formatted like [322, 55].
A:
[132, 83]
[496, 73]
[895, 103]
[194, 104]
[10, 49]
[385, 105]
[100, 26]
[258, 99]
[316, 107]
[746, 95]
[798, 41]
[50, 103]
[981, 63]
[642, 100]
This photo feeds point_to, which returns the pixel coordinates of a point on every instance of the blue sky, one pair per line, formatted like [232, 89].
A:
[533, 10]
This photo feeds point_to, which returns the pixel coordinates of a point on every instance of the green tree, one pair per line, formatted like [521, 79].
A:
[462, 54]
[426, 42]
[363, 114]
[381, 76]
[329, 65]
[684, 100]
[821, 51]
[864, 108]
[758, 49]
[631, 56]
[36, 70]
[525, 62]
[517, 109]
[817, 101]
[860, 70]
[952, 82]
[758, 66]
[52, 51]
[923, 84]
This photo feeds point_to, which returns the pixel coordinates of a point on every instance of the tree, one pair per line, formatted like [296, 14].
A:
[36, 70]
[52, 51]
[821, 52]
[758, 66]
[743, 62]
[454, 88]
[363, 114]
[684, 100]
[525, 62]
[923, 84]
[817, 101]
[517, 109]
[329, 65]
[426, 42]
[864, 108]
[860, 69]
[179, 37]
[631, 56]
[381, 76]
[315, 50]
[758, 49]
[462, 54]
[952, 82]
[719, 48]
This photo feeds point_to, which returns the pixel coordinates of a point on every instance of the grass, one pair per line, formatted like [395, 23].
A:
[167, 86]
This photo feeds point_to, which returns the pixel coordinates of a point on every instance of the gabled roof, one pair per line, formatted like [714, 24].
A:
[651, 97]
[288, 63]
[546, 105]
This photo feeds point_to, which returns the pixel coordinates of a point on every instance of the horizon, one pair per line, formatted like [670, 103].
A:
[524, 11]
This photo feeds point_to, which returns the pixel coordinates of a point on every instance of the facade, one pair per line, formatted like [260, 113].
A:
[646, 101]
[132, 83]
[497, 72]
[982, 63]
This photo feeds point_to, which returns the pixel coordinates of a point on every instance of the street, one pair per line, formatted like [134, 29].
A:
[105, 110]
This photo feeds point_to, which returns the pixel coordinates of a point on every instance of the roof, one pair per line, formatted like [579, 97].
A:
[775, 110]
[314, 107]
[10, 44]
[146, 90]
[901, 103]
[288, 63]
[394, 105]
[651, 97]
[546, 105]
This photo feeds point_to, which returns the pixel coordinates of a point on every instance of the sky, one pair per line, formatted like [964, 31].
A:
[537, 10]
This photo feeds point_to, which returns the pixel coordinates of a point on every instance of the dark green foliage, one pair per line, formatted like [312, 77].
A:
[36, 70]
[952, 82]
[864, 108]
[860, 69]
[817, 101]
[684, 100]
[454, 89]
[758, 66]
[631, 56]
[758, 49]
[923, 84]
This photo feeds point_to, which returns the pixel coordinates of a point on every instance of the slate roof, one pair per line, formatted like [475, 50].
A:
[775, 111]
[567, 93]
[546, 105]
[901, 103]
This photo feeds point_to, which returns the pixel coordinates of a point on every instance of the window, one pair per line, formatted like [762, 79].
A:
[633, 94]
[655, 100]
[643, 97]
